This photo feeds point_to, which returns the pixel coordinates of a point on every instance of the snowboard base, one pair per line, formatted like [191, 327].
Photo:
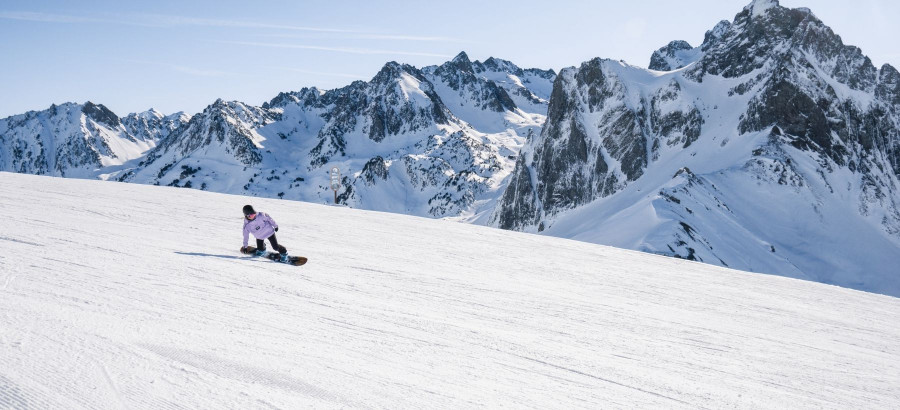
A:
[276, 257]
[292, 260]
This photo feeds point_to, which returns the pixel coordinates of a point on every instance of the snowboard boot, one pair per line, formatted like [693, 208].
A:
[283, 258]
[260, 252]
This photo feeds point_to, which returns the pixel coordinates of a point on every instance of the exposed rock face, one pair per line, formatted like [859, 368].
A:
[374, 170]
[600, 134]
[775, 133]
[100, 114]
[519, 200]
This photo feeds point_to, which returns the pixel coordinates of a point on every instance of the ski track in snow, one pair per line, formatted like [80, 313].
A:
[130, 296]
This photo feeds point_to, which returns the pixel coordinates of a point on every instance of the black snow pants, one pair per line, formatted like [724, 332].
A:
[261, 244]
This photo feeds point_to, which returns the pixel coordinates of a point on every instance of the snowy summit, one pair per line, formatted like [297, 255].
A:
[760, 7]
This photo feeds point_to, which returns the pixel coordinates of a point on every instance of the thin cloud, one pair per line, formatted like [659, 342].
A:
[169, 20]
[370, 36]
[45, 17]
[408, 38]
[330, 74]
[348, 50]
[164, 20]
[200, 72]
[158, 20]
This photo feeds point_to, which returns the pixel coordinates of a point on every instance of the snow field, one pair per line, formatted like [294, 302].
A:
[130, 296]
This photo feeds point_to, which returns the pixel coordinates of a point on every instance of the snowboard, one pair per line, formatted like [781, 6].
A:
[276, 257]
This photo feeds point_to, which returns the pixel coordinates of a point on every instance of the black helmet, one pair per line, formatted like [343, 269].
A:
[248, 210]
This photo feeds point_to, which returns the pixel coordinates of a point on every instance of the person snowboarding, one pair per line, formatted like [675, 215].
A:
[263, 227]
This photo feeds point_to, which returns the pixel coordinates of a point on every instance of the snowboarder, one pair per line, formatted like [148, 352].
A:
[263, 227]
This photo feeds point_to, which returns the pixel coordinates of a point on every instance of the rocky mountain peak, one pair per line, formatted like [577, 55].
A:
[392, 71]
[766, 33]
[499, 65]
[149, 113]
[461, 60]
[759, 8]
[306, 97]
[712, 36]
[152, 125]
[101, 114]
[459, 65]
[675, 55]
[545, 74]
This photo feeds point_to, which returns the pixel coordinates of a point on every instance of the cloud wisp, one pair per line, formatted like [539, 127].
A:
[170, 20]
[369, 36]
[349, 50]
[322, 73]
[200, 72]
[156, 20]
[45, 17]
[165, 21]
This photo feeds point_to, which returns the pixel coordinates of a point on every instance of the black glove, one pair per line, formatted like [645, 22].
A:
[276, 229]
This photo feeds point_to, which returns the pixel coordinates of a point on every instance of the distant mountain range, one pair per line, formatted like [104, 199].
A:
[432, 142]
[771, 147]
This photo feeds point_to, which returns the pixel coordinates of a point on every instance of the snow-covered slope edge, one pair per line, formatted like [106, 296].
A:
[134, 296]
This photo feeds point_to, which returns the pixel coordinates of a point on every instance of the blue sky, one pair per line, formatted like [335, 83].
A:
[181, 56]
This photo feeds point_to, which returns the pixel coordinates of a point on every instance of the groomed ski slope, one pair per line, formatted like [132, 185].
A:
[130, 296]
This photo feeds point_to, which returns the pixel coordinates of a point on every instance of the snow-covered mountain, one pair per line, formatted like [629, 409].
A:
[674, 55]
[152, 125]
[137, 297]
[77, 140]
[433, 142]
[774, 148]
[494, 95]
[223, 132]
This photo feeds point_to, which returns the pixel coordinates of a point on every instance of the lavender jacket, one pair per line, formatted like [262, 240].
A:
[262, 227]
